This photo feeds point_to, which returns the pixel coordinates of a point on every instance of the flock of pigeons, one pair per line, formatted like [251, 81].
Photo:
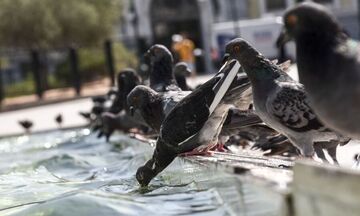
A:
[250, 99]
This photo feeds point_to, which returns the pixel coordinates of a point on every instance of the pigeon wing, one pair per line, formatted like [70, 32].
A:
[190, 114]
[290, 106]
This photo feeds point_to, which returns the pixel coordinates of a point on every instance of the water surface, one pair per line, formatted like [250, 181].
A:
[71, 172]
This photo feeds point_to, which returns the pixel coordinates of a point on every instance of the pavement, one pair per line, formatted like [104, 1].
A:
[43, 117]
[51, 96]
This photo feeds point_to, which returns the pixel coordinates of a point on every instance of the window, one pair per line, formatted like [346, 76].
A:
[274, 5]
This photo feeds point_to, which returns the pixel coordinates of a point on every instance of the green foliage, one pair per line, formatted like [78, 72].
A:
[123, 58]
[53, 23]
[92, 64]
[25, 87]
[26, 23]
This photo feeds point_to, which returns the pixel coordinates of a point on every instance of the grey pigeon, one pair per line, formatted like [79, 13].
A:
[193, 124]
[181, 71]
[161, 69]
[153, 106]
[328, 63]
[127, 80]
[280, 102]
[107, 123]
[99, 99]
[120, 122]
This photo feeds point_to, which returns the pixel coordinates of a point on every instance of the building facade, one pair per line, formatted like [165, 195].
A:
[146, 22]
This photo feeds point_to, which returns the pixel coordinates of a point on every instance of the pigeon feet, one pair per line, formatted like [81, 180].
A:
[220, 147]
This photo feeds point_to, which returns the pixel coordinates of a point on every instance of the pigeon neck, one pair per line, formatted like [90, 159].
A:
[163, 156]
[161, 73]
[151, 112]
[124, 92]
[314, 52]
[257, 67]
[181, 81]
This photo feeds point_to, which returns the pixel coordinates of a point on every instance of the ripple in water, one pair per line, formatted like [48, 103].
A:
[74, 173]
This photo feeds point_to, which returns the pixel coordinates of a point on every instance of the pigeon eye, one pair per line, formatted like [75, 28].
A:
[237, 48]
[291, 20]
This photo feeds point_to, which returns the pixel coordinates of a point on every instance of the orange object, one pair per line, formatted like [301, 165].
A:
[185, 49]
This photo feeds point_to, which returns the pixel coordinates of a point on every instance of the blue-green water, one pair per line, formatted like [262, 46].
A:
[74, 173]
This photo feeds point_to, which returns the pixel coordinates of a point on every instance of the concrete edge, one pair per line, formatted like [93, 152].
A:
[41, 103]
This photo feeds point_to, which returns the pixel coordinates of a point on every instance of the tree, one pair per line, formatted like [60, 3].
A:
[27, 24]
[56, 23]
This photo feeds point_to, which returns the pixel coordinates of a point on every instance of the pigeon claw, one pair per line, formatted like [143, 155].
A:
[220, 147]
[196, 152]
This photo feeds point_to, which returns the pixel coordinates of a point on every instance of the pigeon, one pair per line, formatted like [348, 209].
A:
[85, 115]
[328, 64]
[26, 124]
[59, 120]
[280, 145]
[235, 121]
[181, 71]
[193, 124]
[121, 121]
[127, 80]
[161, 72]
[99, 99]
[97, 109]
[153, 106]
[280, 101]
[284, 148]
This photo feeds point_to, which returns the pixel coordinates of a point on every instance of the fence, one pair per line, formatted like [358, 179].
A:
[74, 66]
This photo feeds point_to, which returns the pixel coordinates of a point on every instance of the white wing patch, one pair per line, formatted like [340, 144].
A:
[225, 86]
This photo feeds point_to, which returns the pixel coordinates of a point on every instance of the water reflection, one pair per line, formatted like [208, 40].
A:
[73, 173]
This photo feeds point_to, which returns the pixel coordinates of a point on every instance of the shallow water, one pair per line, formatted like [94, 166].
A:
[74, 173]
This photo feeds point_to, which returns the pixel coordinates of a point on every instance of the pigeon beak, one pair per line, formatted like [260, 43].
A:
[147, 55]
[283, 38]
[225, 58]
[188, 72]
[132, 111]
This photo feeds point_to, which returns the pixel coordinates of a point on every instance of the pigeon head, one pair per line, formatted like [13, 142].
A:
[145, 173]
[127, 78]
[240, 50]
[182, 69]
[308, 21]
[254, 63]
[158, 53]
[140, 96]
[97, 109]
[161, 63]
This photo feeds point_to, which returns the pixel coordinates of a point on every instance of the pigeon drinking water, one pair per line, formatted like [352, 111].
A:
[193, 124]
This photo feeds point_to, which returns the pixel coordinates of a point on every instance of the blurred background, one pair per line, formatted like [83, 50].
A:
[53, 50]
